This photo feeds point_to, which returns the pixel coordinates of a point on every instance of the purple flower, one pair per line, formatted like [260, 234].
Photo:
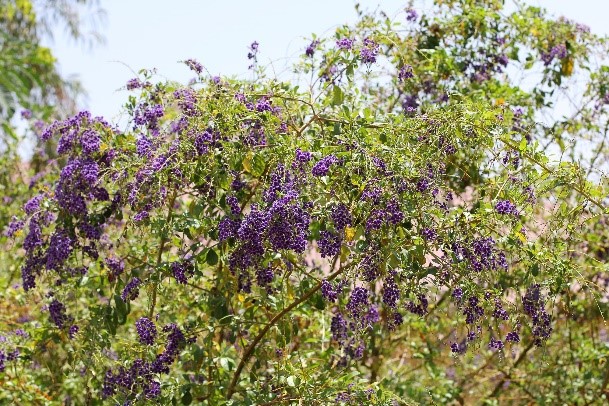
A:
[253, 52]
[405, 73]
[301, 158]
[146, 330]
[495, 344]
[459, 348]
[419, 309]
[322, 167]
[372, 194]
[341, 216]
[506, 207]
[131, 290]
[394, 212]
[73, 330]
[329, 244]
[376, 220]
[357, 301]
[153, 390]
[411, 15]
[141, 216]
[338, 327]
[429, 234]
[194, 65]
[458, 293]
[181, 271]
[228, 228]
[328, 292]
[345, 43]
[311, 48]
[90, 141]
[533, 303]
[134, 83]
[264, 276]
[473, 312]
[14, 226]
[369, 51]
[60, 247]
[57, 312]
[557, 51]
[32, 205]
[391, 292]
[143, 146]
[116, 267]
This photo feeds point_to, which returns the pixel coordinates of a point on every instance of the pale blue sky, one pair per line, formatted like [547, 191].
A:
[158, 34]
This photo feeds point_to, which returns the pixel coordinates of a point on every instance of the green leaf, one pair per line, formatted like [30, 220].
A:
[212, 257]
[337, 96]
[187, 398]
[523, 145]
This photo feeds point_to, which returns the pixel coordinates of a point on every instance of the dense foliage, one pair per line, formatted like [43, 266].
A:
[394, 225]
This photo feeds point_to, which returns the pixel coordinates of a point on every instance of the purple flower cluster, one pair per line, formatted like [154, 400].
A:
[419, 309]
[405, 73]
[311, 48]
[339, 328]
[32, 205]
[60, 247]
[329, 243]
[264, 276]
[558, 51]
[500, 312]
[345, 43]
[149, 116]
[533, 303]
[429, 234]
[14, 226]
[194, 65]
[372, 194]
[495, 344]
[481, 254]
[134, 83]
[341, 216]
[369, 51]
[253, 53]
[391, 292]
[328, 292]
[182, 270]
[146, 330]
[140, 377]
[411, 14]
[513, 337]
[132, 290]
[144, 146]
[322, 167]
[506, 207]
[282, 223]
[57, 313]
[358, 301]
[473, 311]
[391, 214]
[457, 294]
[187, 101]
[369, 266]
[90, 141]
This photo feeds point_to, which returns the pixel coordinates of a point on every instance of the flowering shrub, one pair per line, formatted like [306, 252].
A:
[250, 242]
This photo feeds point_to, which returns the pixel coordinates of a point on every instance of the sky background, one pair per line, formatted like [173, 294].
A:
[158, 33]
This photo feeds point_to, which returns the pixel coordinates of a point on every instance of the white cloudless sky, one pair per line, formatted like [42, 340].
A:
[159, 33]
